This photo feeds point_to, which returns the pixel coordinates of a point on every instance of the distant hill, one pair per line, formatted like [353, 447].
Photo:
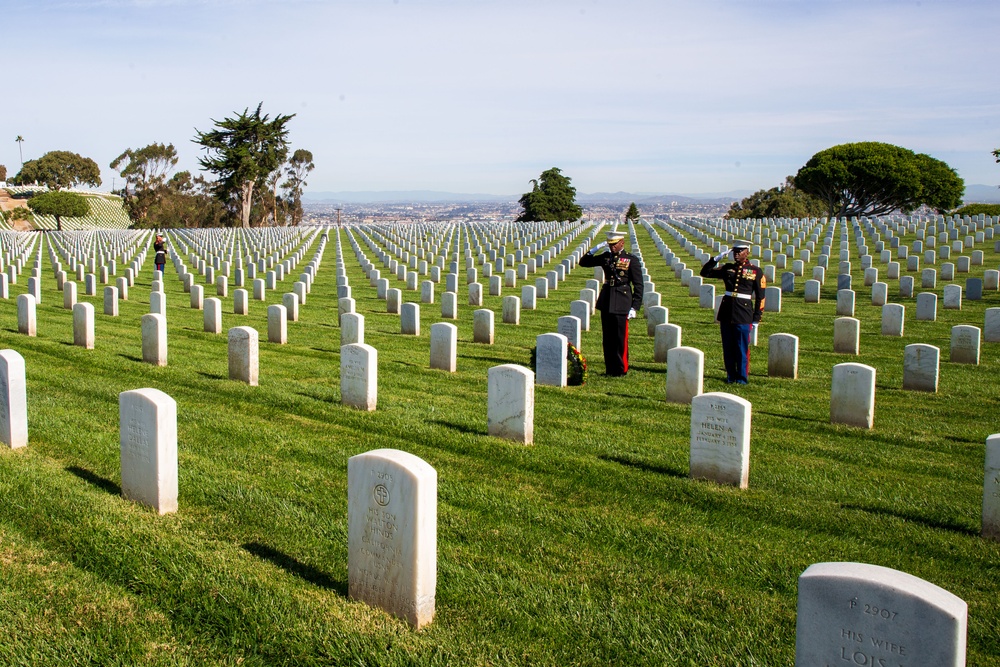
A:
[434, 196]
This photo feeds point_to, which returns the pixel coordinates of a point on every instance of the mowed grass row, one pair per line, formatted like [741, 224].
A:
[590, 547]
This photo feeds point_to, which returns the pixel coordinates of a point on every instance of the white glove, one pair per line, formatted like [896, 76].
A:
[631, 313]
[599, 248]
[721, 256]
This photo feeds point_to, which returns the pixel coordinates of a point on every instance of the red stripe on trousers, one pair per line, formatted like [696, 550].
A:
[625, 356]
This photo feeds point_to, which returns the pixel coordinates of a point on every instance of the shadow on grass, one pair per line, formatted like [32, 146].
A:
[496, 360]
[130, 357]
[642, 369]
[316, 397]
[642, 465]
[294, 567]
[462, 428]
[635, 396]
[953, 526]
[787, 416]
[212, 376]
[99, 482]
[325, 350]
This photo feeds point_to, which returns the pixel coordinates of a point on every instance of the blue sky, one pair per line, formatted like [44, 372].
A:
[481, 96]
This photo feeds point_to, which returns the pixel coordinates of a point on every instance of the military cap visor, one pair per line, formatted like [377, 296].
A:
[614, 237]
[741, 245]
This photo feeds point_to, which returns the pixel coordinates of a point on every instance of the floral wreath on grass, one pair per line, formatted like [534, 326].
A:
[576, 365]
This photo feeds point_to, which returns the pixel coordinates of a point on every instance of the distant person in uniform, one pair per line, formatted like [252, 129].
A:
[620, 298]
[741, 307]
[160, 248]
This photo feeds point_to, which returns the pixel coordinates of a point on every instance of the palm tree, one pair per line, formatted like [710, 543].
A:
[20, 140]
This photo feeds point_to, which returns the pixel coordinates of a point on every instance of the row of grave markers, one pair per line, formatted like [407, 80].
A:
[860, 613]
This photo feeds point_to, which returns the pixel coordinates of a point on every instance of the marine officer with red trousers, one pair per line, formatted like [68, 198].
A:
[620, 297]
[741, 307]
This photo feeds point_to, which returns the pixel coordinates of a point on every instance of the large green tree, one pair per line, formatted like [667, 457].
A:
[872, 178]
[784, 201]
[242, 151]
[3, 172]
[145, 171]
[632, 214]
[186, 201]
[552, 198]
[60, 204]
[58, 170]
[296, 170]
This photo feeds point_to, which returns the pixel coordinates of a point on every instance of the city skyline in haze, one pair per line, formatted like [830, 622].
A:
[634, 96]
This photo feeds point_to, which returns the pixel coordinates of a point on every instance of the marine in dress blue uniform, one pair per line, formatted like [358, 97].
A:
[620, 297]
[741, 308]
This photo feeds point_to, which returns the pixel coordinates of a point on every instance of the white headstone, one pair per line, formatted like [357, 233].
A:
[27, 320]
[482, 326]
[665, 338]
[656, 315]
[392, 533]
[277, 324]
[111, 301]
[154, 339]
[569, 326]
[290, 300]
[197, 297]
[550, 359]
[83, 325]
[13, 400]
[409, 319]
[991, 325]
[244, 355]
[921, 367]
[685, 374]
[845, 303]
[393, 300]
[148, 439]
[783, 355]
[846, 335]
[528, 295]
[852, 395]
[511, 310]
[893, 319]
[861, 615]
[444, 346]
[510, 412]
[69, 295]
[241, 302]
[965, 343]
[352, 328]
[212, 319]
[953, 297]
[449, 306]
[991, 487]
[359, 376]
[720, 439]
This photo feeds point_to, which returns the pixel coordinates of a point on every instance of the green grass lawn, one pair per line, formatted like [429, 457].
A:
[590, 547]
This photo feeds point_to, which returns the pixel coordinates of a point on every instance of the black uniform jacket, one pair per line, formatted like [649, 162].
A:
[746, 279]
[622, 288]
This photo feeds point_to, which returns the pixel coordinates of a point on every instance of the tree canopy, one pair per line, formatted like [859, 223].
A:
[872, 178]
[298, 167]
[60, 205]
[552, 198]
[145, 171]
[784, 201]
[58, 170]
[3, 172]
[241, 152]
[632, 215]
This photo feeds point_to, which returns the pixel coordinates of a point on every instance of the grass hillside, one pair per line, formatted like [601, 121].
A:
[590, 547]
[106, 212]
